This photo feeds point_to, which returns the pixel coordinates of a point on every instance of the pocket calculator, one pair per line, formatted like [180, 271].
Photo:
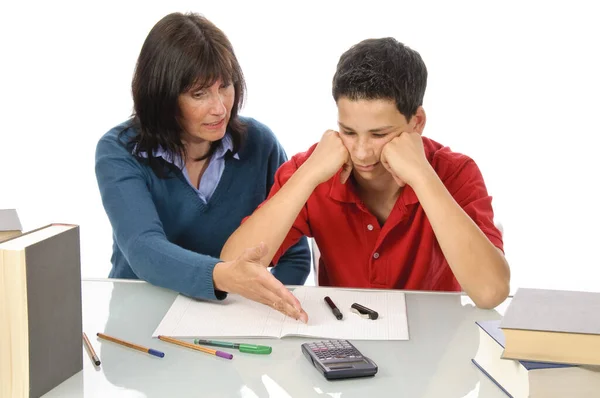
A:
[338, 359]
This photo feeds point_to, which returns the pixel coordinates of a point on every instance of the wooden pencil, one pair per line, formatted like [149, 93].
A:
[150, 351]
[205, 350]
[90, 350]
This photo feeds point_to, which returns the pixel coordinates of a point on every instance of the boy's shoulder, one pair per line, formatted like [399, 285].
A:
[298, 159]
[285, 171]
[444, 160]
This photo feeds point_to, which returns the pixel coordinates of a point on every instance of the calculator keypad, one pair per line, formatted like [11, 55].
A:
[335, 351]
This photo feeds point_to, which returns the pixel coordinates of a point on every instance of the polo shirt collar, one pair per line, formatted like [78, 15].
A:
[347, 193]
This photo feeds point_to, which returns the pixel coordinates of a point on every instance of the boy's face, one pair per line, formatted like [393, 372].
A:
[365, 127]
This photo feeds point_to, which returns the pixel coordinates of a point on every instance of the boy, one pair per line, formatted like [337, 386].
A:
[387, 207]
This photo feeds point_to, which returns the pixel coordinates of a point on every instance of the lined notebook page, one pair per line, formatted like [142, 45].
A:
[392, 323]
[235, 316]
[240, 317]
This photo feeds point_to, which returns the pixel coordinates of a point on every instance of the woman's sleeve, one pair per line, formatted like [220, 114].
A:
[138, 230]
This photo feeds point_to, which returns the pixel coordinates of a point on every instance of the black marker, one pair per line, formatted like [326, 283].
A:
[334, 309]
[364, 311]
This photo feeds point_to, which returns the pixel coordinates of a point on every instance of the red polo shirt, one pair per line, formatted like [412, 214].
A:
[404, 252]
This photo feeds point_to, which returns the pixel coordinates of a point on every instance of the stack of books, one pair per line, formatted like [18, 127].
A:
[40, 310]
[547, 345]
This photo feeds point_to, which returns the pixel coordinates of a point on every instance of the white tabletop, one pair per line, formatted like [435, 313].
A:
[435, 362]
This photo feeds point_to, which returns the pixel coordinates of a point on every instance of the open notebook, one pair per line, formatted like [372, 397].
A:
[239, 317]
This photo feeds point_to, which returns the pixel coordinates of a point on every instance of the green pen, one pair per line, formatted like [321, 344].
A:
[249, 348]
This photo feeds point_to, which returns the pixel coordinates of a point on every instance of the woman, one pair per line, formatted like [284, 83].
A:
[178, 177]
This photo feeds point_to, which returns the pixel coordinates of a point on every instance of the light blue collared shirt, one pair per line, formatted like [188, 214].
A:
[212, 175]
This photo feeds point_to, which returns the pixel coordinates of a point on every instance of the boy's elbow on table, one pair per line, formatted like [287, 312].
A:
[492, 296]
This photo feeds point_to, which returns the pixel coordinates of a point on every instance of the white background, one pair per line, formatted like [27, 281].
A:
[513, 84]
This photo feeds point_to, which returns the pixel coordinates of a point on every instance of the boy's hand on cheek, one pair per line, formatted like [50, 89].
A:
[329, 157]
[404, 157]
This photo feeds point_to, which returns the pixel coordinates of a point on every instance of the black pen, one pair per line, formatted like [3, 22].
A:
[334, 309]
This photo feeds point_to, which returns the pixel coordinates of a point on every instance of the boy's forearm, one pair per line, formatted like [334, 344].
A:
[478, 265]
[272, 221]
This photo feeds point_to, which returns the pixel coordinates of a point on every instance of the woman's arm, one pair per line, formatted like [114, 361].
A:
[138, 230]
[139, 234]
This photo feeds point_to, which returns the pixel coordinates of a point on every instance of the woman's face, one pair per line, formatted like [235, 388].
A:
[205, 112]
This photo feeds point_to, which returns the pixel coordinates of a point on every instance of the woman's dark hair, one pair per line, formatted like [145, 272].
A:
[382, 69]
[182, 52]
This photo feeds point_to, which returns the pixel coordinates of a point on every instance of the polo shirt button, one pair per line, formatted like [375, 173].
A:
[376, 255]
[370, 227]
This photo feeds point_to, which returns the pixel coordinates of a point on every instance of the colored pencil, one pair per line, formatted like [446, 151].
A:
[218, 353]
[90, 350]
[150, 351]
